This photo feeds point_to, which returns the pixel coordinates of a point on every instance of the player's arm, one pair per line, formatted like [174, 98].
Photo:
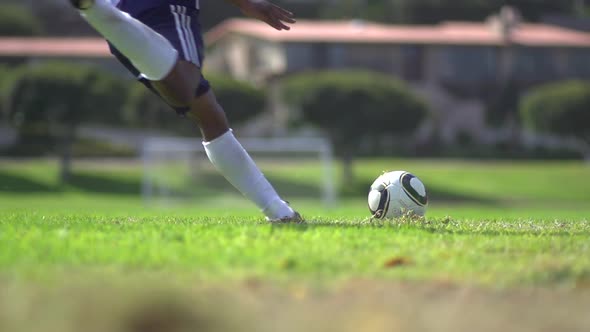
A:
[267, 12]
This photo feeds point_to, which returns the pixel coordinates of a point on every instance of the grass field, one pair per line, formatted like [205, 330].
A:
[504, 245]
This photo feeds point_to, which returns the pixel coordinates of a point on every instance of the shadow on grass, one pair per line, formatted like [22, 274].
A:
[14, 183]
[446, 196]
[296, 189]
[212, 184]
[215, 182]
[105, 184]
[94, 183]
[206, 184]
[438, 194]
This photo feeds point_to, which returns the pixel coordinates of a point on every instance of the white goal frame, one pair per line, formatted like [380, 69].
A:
[320, 146]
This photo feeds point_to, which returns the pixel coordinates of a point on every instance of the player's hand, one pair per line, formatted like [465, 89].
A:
[269, 13]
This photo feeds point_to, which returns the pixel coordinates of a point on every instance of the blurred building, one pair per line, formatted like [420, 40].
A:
[466, 55]
[576, 23]
[455, 65]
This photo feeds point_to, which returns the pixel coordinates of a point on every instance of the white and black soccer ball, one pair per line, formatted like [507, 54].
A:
[394, 194]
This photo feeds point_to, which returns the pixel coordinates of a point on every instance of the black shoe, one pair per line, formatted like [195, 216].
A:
[82, 4]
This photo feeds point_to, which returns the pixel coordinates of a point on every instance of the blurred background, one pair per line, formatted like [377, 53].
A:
[366, 79]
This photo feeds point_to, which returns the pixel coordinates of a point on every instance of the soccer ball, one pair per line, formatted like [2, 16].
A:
[394, 194]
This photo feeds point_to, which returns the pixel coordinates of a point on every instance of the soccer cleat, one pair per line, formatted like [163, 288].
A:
[82, 4]
[295, 219]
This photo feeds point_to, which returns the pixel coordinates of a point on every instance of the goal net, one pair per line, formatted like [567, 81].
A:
[177, 170]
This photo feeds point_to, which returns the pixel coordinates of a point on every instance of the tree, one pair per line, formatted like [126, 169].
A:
[144, 109]
[4, 77]
[429, 11]
[561, 109]
[503, 106]
[502, 111]
[351, 106]
[48, 102]
[241, 100]
[17, 20]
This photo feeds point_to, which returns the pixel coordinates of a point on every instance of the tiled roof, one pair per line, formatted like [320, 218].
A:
[449, 33]
[54, 47]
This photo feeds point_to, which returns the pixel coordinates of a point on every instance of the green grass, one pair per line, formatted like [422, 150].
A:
[494, 224]
[504, 246]
[494, 253]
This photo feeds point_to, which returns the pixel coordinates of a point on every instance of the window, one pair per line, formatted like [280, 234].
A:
[534, 64]
[299, 57]
[578, 63]
[412, 60]
[470, 64]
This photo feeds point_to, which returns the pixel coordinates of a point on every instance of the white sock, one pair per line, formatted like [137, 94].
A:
[230, 158]
[150, 52]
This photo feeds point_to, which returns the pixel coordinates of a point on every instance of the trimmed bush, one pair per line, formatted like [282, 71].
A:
[63, 94]
[48, 102]
[4, 79]
[144, 109]
[561, 109]
[349, 103]
[18, 20]
[111, 92]
[241, 100]
[39, 98]
[352, 106]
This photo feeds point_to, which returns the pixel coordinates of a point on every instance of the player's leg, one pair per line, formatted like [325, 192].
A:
[232, 160]
[150, 52]
[180, 83]
[227, 154]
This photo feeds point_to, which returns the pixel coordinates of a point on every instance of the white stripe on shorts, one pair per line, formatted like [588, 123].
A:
[191, 38]
[186, 28]
[180, 33]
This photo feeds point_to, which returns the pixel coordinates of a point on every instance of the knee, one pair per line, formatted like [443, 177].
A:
[190, 95]
[176, 94]
[189, 92]
[192, 83]
[184, 96]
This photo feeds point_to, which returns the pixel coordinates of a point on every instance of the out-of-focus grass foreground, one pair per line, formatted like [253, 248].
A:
[505, 248]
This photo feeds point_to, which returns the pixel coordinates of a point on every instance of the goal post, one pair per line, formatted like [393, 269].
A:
[172, 165]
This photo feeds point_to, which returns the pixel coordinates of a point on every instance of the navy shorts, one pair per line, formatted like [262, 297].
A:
[180, 25]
